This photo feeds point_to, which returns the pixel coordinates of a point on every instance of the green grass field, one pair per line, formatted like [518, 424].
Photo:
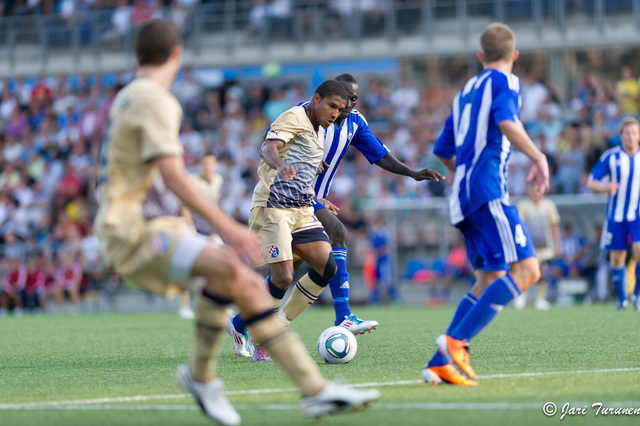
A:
[117, 369]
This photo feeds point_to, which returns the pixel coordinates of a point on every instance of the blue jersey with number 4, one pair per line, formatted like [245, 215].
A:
[471, 134]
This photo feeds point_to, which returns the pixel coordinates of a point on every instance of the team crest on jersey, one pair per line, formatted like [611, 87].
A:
[160, 243]
[349, 136]
[273, 251]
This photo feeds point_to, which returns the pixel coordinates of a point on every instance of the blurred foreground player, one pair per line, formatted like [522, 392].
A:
[141, 161]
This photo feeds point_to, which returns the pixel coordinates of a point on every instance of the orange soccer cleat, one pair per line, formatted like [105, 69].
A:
[446, 373]
[456, 351]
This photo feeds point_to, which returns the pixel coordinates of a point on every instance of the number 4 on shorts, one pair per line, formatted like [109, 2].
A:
[520, 239]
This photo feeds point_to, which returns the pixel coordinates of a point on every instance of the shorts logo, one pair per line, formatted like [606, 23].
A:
[160, 243]
[273, 251]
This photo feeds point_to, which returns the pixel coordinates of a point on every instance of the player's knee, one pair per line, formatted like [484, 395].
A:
[330, 268]
[339, 235]
[282, 280]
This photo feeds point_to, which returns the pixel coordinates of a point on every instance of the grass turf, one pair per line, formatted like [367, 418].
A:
[66, 358]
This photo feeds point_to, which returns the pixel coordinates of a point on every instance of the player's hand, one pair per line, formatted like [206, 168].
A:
[539, 172]
[323, 166]
[428, 174]
[329, 205]
[286, 172]
[612, 188]
[244, 241]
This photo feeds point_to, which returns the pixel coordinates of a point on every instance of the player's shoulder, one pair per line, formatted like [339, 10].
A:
[611, 151]
[505, 80]
[145, 94]
[357, 117]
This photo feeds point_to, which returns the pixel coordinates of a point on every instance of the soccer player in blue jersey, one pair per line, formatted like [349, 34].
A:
[351, 129]
[475, 145]
[621, 165]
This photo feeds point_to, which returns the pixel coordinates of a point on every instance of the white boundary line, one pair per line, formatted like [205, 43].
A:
[77, 403]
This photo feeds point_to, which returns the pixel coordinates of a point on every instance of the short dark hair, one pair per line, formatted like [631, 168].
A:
[347, 78]
[332, 87]
[155, 40]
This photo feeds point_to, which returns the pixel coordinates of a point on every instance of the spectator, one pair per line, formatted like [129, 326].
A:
[380, 239]
[13, 287]
[628, 92]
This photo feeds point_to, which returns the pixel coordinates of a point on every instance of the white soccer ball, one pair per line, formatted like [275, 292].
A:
[337, 345]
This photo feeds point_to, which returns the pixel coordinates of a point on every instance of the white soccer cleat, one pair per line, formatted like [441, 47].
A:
[239, 340]
[210, 396]
[258, 353]
[542, 305]
[357, 325]
[334, 398]
[186, 313]
[621, 306]
[635, 301]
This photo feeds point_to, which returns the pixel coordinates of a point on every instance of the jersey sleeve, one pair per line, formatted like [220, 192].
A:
[367, 143]
[600, 169]
[506, 96]
[554, 215]
[445, 145]
[159, 127]
[285, 128]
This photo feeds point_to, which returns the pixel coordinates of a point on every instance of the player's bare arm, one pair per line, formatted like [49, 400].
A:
[269, 153]
[596, 186]
[323, 166]
[236, 235]
[522, 142]
[393, 165]
[449, 163]
[329, 205]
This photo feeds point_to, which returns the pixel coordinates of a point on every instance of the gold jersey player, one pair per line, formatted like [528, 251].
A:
[282, 210]
[141, 165]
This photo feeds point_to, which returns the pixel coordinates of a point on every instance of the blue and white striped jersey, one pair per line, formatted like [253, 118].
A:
[353, 131]
[471, 134]
[620, 167]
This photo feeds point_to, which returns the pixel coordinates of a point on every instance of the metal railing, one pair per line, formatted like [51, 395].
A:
[218, 34]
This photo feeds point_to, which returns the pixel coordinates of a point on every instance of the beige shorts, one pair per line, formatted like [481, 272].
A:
[280, 229]
[162, 257]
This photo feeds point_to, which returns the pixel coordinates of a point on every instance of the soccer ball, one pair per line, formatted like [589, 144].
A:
[337, 345]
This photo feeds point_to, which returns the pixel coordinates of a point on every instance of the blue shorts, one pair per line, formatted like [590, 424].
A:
[316, 205]
[495, 237]
[615, 235]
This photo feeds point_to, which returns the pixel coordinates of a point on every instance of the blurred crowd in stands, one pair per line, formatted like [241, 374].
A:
[51, 128]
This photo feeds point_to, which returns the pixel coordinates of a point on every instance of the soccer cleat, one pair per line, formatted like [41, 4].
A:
[635, 300]
[621, 306]
[446, 373]
[186, 312]
[458, 352]
[542, 305]
[258, 353]
[210, 396]
[334, 398]
[357, 325]
[239, 340]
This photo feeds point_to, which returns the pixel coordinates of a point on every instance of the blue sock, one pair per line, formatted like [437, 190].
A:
[617, 277]
[238, 324]
[467, 302]
[636, 289]
[339, 285]
[497, 295]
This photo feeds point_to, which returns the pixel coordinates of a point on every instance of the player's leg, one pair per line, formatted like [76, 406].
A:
[504, 243]
[634, 232]
[615, 240]
[228, 279]
[319, 256]
[635, 298]
[339, 284]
